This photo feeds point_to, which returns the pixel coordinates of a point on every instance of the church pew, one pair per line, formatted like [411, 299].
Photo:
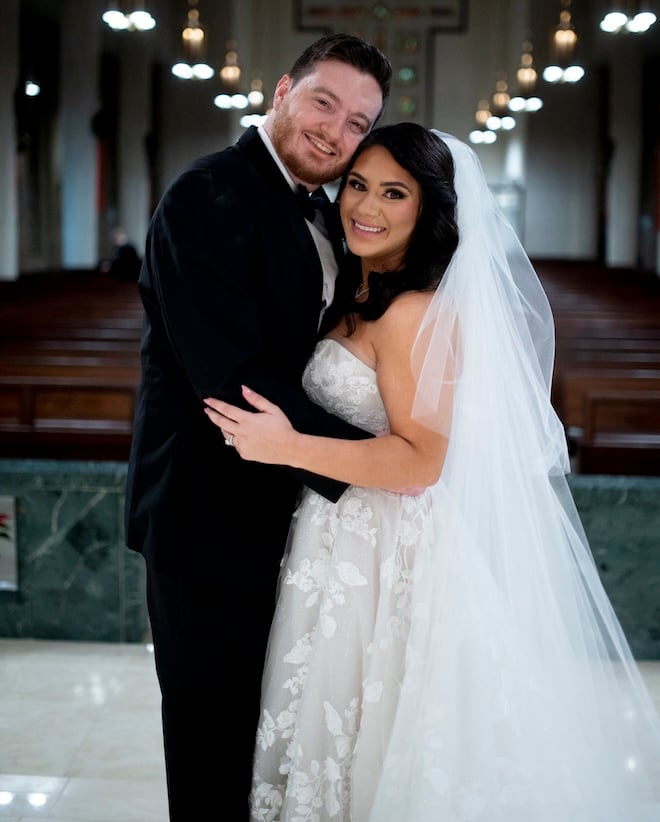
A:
[68, 308]
[82, 327]
[28, 353]
[607, 333]
[567, 345]
[69, 365]
[607, 371]
[639, 326]
[66, 416]
[621, 433]
[66, 347]
[571, 384]
[631, 357]
[98, 368]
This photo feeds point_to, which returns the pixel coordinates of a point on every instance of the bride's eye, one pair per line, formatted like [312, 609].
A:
[356, 184]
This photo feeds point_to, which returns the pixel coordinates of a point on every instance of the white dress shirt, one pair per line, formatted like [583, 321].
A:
[317, 229]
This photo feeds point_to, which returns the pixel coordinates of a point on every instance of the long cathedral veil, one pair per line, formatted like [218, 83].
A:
[521, 701]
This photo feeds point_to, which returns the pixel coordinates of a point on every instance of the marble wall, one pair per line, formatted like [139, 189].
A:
[621, 516]
[77, 580]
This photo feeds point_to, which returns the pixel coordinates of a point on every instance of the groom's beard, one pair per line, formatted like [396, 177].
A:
[287, 139]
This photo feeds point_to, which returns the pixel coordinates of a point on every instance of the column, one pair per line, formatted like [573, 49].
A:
[8, 196]
[134, 117]
[79, 101]
[623, 185]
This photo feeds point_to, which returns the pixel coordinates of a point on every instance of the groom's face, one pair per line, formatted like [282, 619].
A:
[318, 122]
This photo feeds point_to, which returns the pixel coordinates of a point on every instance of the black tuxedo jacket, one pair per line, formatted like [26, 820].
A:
[231, 285]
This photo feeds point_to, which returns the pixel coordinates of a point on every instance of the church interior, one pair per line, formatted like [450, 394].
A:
[100, 108]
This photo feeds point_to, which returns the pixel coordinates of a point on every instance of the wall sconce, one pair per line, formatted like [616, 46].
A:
[135, 18]
[32, 88]
[479, 136]
[506, 123]
[229, 101]
[557, 74]
[627, 17]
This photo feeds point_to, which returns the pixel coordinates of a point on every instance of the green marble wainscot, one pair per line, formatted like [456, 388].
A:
[76, 578]
[621, 517]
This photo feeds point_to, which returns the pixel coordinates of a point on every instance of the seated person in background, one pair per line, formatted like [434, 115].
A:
[125, 262]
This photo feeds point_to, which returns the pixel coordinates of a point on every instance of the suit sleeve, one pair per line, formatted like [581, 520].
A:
[206, 260]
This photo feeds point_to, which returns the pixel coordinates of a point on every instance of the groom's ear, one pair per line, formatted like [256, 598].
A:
[283, 87]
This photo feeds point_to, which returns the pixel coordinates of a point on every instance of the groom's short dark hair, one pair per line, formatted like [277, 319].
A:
[347, 48]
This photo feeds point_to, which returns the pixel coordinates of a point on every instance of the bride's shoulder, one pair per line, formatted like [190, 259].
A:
[398, 327]
[406, 310]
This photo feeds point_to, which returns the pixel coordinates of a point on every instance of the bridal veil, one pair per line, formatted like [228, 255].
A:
[521, 701]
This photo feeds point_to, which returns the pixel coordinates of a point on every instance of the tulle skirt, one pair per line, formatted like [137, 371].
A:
[411, 677]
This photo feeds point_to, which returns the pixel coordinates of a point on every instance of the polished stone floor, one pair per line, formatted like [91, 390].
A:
[80, 737]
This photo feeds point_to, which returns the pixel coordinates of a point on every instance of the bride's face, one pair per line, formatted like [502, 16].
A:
[379, 208]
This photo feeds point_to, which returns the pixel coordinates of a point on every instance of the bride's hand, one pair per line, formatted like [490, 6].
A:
[263, 437]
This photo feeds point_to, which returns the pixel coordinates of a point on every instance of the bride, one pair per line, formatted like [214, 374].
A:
[444, 649]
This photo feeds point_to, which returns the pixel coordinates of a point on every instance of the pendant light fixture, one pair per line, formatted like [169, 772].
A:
[564, 40]
[193, 65]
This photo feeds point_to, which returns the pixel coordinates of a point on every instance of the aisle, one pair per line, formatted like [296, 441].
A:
[80, 731]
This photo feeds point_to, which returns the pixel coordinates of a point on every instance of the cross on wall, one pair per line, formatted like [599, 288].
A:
[403, 30]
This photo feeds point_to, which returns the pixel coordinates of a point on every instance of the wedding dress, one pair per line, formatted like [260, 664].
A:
[338, 653]
[453, 656]
[339, 636]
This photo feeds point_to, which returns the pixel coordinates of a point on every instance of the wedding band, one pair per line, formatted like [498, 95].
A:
[229, 440]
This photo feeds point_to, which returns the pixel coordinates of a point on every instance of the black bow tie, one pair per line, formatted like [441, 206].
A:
[310, 202]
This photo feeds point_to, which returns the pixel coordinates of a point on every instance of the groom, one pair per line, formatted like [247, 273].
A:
[234, 283]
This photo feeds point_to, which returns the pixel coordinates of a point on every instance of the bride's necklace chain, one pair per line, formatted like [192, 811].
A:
[361, 291]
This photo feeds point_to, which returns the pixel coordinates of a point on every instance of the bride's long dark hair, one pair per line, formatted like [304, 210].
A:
[435, 236]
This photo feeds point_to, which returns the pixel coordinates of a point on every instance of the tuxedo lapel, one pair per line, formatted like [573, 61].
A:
[258, 156]
[270, 175]
[284, 199]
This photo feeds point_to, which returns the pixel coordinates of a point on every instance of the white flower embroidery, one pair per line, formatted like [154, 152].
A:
[345, 584]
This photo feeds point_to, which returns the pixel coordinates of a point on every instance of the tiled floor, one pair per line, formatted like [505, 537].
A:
[80, 737]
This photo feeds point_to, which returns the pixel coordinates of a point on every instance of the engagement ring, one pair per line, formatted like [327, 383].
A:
[229, 440]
